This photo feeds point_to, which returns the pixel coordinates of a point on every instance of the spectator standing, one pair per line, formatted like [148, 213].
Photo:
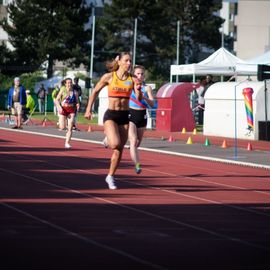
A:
[208, 82]
[201, 102]
[204, 85]
[54, 96]
[16, 102]
[78, 89]
[41, 94]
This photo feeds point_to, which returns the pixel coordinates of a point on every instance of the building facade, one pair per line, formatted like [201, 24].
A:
[228, 12]
[252, 26]
[3, 14]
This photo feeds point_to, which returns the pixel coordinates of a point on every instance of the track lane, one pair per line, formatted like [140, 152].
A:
[51, 162]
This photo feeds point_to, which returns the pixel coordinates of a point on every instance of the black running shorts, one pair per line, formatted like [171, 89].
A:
[119, 117]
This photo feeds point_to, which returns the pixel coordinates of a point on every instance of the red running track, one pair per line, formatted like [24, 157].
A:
[57, 213]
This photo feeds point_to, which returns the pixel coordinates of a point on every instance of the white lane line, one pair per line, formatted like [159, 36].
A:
[85, 239]
[147, 213]
[174, 192]
[208, 182]
[200, 199]
[221, 160]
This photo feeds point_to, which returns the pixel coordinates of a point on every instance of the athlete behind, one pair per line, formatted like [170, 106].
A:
[138, 116]
[67, 103]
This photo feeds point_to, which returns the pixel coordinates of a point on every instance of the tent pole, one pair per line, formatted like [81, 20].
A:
[265, 110]
[235, 122]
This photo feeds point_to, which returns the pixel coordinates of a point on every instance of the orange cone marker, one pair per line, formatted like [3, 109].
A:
[249, 147]
[224, 144]
[183, 130]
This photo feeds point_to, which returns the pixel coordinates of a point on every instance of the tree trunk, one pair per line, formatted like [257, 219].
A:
[50, 67]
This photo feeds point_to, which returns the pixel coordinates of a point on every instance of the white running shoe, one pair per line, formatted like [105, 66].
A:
[67, 145]
[110, 181]
[105, 142]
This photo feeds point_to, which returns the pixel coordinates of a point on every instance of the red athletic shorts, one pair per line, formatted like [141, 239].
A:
[68, 109]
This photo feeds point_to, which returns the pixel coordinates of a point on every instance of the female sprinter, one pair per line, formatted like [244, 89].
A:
[120, 84]
[138, 116]
[67, 103]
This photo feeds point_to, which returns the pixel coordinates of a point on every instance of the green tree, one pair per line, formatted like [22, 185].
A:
[156, 33]
[48, 30]
[6, 57]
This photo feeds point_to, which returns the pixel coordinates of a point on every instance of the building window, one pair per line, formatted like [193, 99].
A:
[236, 9]
[235, 33]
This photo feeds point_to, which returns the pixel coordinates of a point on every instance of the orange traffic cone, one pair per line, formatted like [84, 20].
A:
[194, 131]
[249, 147]
[171, 139]
[89, 129]
[183, 130]
[224, 144]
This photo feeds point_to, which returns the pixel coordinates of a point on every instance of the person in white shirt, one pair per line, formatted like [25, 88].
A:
[200, 90]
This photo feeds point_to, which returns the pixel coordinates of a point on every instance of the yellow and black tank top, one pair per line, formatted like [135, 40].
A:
[120, 88]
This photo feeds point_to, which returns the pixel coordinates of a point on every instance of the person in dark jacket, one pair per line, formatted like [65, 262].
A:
[17, 101]
[41, 94]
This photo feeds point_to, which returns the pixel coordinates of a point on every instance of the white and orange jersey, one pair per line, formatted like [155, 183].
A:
[120, 88]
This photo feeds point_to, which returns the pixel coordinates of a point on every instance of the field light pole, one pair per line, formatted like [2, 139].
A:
[222, 36]
[235, 122]
[92, 46]
[177, 46]
[134, 42]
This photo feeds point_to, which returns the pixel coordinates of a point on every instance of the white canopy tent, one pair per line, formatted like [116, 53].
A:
[49, 83]
[221, 62]
[250, 67]
[56, 80]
